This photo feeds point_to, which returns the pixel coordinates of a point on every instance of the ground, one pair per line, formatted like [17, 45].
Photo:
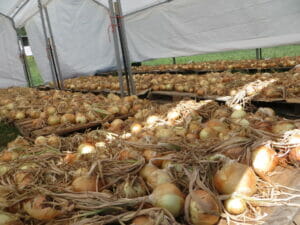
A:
[8, 133]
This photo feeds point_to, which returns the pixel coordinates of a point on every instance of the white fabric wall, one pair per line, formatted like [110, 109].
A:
[11, 67]
[188, 27]
[83, 40]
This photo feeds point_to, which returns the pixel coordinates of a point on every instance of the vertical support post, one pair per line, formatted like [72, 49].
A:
[122, 33]
[51, 63]
[56, 61]
[24, 61]
[258, 53]
[116, 46]
[174, 60]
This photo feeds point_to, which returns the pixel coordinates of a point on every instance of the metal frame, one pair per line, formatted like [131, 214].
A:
[149, 7]
[116, 46]
[258, 53]
[23, 58]
[20, 8]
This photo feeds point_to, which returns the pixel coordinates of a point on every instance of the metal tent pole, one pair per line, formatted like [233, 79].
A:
[174, 60]
[24, 61]
[56, 61]
[123, 39]
[51, 63]
[116, 46]
[258, 53]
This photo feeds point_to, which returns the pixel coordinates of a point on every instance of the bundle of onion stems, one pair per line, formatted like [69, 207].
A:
[179, 163]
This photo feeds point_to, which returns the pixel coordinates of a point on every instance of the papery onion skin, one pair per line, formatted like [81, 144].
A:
[235, 205]
[203, 208]
[169, 197]
[142, 220]
[264, 160]
[84, 184]
[235, 177]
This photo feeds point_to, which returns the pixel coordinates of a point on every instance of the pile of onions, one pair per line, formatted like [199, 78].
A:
[235, 177]
[36, 209]
[203, 208]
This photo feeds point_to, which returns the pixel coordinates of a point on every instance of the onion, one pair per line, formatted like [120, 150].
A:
[129, 189]
[37, 211]
[19, 115]
[238, 114]
[194, 127]
[136, 128]
[233, 153]
[151, 120]
[217, 125]
[235, 177]
[154, 176]
[9, 219]
[70, 158]
[167, 164]
[207, 133]
[80, 118]
[282, 127]
[266, 111]
[40, 140]
[294, 155]
[113, 97]
[128, 154]
[68, 118]
[10, 106]
[142, 220]
[235, 205]
[242, 122]
[86, 148]
[173, 115]
[150, 155]
[264, 160]
[3, 169]
[169, 197]
[163, 133]
[82, 171]
[203, 208]
[116, 125]
[179, 131]
[54, 141]
[85, 183]
[23, 179]
[53, 120]
[113, 110]
[51, 110]
[7, 156]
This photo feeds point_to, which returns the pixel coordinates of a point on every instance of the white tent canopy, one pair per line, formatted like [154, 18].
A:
[155, 29]
[11, 67]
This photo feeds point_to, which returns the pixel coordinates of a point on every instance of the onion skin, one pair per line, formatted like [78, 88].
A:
[169, 197]
[203, 208]
[84, 184]
[154, 176]
[235, 177]
[264, 160]
[35, 209]
[235, 206]
[142, 220]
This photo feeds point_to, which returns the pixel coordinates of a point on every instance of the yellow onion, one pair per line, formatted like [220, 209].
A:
[217, 125]
[85, 183]
[129, 189]
[169, 197]
[68, 118]
[80, 172]
[264, 160]
[163, 133]
[37, 211]
[266, 111]
[53, 120]
[154, 176]
[136, 128]
[235, 205]
[194, 127]
[203, 208]
[9, 219]
[150, 154]
[282, 127]
[3, 169]
[113, 109]
[143, 220]
[128, 154]
[86, 148]
[113, 97]
[70, 158]
[6, 156]
[235, 177]
[19, 115]
[116, 125]
[238, 114]
[294, 155]
[19, 142]
[80, 118]
[168, 164]
[173, 115]
[51, 110]
[151, 120]
[54, 141]
[207, 133]
[41, 140]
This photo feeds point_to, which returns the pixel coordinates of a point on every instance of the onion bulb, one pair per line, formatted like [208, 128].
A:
[173, 115]
[113, 109]
[163, 133]
[116, 125]
[113, 97]
[217, 125]
[53, 120]
[54, 141]
[207, 133]
[7, 156]
[154, 176]
[19, 115]
[68, 118]
[41, 140]
[294, 155]
[235, 205]
[80, 118]
[264, 160]
[238, 114]
[266, 111]
[143, 220]
[169, 197]
[282, 127]
[151, 120]
[37, 211]
[3, 169]
[150, 154]
[51, 110]
[136, 128]
[86, 148]
[85, 183]
[70, 158]
[235, 177]
[129, 189]
[9, 219]
[203, 208]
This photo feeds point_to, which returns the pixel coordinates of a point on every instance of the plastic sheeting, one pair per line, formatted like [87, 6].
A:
[11, 67]
[188, 27]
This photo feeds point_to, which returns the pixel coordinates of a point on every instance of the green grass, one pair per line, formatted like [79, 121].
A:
[7, 134]
[289, 50]
[35, 74]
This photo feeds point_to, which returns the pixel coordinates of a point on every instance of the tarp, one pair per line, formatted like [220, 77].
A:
[11, 67]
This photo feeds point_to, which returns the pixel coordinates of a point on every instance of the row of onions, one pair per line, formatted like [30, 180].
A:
[179, 163]
[49, 108]
[222, 65]
[262, 85]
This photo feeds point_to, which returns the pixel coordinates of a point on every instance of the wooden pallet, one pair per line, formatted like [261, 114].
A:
[27, 129]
